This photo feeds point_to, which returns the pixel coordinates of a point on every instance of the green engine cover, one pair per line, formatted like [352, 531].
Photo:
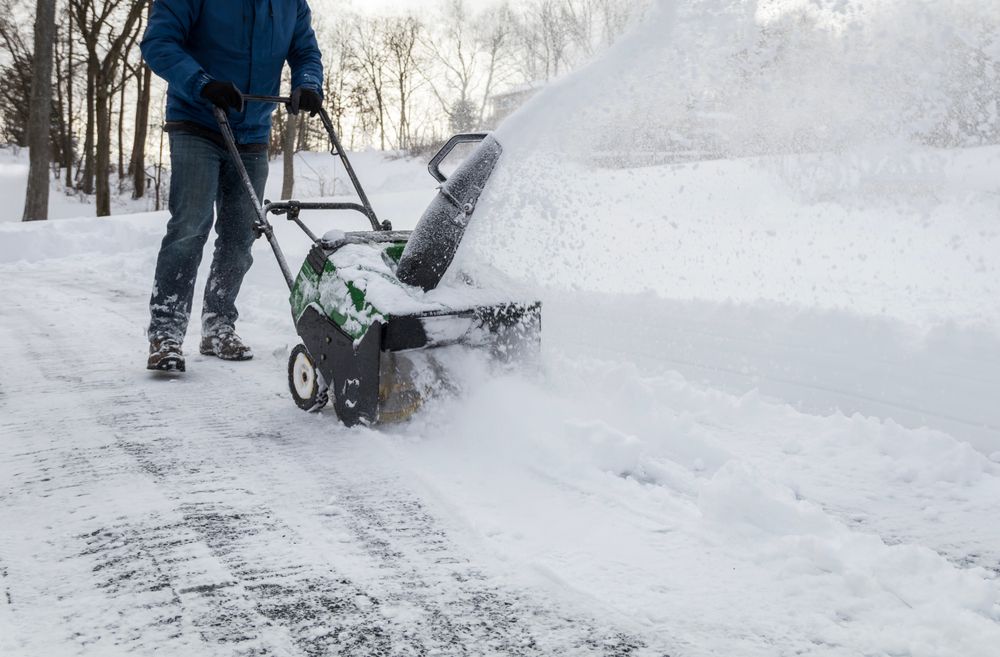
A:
[337, 279]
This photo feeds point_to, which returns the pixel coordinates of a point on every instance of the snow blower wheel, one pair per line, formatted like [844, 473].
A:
[305, 381]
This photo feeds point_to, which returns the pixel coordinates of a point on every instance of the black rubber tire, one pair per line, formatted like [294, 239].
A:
[305, 382]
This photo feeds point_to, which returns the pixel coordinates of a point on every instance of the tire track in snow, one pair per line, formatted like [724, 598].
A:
[419, 565]
[268, 588]
[415, 567]
[130, 559]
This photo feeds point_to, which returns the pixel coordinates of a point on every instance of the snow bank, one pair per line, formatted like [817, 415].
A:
[39, 241]
[401, 185]
[753, 529]
[321, 175]
[820, 361]
[14, 181]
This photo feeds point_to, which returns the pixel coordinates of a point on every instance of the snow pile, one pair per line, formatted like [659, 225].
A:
[753, 529]
[37, 241]
[401, 185]
[13, 182]
[322, 175]
[758, 192]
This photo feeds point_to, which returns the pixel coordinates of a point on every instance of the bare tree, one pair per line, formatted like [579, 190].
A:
[402, 36]
[400, 81]
[140, 133]
[36, 203]
[64, 101]
[551, 31]
[455, 52]
[580, 24]
[121, 124]
[369, 59]
[137, 164]
[495, 36]
[105, 45]
[614, 16]
[472, 54]
[289, 124]
[70, 139]
[337, 79]
[16, 74]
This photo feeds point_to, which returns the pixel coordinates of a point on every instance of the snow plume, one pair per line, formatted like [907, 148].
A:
[814, 153]
[738, 77]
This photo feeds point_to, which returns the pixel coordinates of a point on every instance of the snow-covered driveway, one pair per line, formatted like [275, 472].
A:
[208, 516]
[610, 506]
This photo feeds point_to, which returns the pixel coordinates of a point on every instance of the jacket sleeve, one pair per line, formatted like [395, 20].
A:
[304, 56]
[162, 45]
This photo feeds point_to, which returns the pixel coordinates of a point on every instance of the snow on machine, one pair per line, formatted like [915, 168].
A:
[370, 307]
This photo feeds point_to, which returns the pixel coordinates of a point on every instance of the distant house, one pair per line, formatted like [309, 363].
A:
[504, 104]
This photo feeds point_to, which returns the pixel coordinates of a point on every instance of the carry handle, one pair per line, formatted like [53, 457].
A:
[435, 164]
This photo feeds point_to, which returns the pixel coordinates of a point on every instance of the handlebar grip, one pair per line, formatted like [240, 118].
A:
[251, 98]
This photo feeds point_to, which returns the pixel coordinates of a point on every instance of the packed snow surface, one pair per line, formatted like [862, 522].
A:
[765, 424]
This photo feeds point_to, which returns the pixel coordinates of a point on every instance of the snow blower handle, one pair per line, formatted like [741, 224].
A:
[434, 166]
[336, 149]
[291, 208]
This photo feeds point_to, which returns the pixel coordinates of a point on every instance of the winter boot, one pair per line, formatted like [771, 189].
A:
[165, 355]
[225, 344]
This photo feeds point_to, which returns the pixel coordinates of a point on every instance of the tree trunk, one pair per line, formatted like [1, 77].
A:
[59, 151]
[70, 155]
[403, 136]
[88, 141]
[137, 167]
[36, 202]
[121, 130]
[288, 158]
[102, 160]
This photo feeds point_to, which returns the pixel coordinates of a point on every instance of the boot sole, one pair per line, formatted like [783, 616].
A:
[168, 364]
[209, 352]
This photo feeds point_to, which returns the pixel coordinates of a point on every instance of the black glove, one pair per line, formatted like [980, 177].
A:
[307, 99]
[224, 95]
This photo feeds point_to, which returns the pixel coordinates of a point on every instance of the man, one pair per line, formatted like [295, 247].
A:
[211, 52]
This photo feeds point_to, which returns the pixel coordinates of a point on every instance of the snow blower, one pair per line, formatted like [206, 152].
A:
[370, 306]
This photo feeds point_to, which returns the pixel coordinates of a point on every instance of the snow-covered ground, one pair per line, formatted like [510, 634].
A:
[766, 424]
[685, 476]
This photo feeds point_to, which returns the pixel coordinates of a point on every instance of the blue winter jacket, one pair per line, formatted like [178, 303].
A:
[191, 42]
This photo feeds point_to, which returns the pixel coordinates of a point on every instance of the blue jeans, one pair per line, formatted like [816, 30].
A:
[203, 178]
